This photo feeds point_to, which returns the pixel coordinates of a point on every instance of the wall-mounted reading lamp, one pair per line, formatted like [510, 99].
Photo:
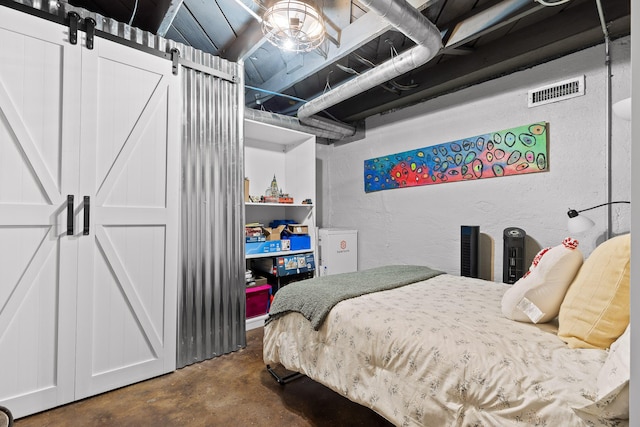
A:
[622, 109]
[579, 223]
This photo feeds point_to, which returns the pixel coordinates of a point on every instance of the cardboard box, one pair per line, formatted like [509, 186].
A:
[285, 265]
[262, 247]
[298, 229]
[257, 281]
[253, 230]
[260, 280]
[272, 233]
[294, 264]
[246, 189]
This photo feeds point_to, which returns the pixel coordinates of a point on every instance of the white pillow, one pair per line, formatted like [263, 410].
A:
[612, 395]
[613, 378]
[537, 296]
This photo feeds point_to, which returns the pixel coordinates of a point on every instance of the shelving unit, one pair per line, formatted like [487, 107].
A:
[256, 322]
[290, 156]
[276, 254]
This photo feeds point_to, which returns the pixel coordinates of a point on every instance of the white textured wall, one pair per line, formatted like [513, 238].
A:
[421, 225]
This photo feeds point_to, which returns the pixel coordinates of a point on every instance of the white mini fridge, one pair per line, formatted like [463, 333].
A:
[337, 251]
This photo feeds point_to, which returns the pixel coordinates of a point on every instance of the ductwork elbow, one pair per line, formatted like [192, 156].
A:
[414, 25]
[408, 20]
[328, 131]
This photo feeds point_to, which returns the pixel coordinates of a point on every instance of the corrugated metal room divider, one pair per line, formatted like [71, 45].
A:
[211, 298]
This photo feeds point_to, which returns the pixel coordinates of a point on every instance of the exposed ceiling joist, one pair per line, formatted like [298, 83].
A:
[246, 43]
[489, 61]
[490, 19]
[169, 16]
[483, 39]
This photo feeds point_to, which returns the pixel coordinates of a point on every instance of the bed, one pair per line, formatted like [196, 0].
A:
[439, 351]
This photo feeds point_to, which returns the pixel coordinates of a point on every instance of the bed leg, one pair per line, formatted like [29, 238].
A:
[283, 379]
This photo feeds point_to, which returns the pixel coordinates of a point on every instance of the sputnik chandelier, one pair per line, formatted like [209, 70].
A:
[294, 25]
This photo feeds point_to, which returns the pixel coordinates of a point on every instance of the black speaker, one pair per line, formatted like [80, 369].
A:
[469, 235]
[513, 252]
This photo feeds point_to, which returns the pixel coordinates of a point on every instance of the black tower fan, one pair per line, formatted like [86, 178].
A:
[513, 263]
[469, 250]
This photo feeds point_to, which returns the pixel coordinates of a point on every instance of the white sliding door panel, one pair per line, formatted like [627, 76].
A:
[128, 262]
[94, 308]
[132, 336]
[38, 169]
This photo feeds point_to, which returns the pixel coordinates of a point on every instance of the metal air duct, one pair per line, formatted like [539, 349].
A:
[294, 124]
[410, 22]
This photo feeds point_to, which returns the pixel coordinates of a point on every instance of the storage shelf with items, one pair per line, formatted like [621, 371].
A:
[280, 185]
[264, 204]
[277, 254]
[258, 299]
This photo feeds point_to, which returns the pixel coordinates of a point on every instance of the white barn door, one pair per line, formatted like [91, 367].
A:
[129, 169]
[92, 308]
[38, 169]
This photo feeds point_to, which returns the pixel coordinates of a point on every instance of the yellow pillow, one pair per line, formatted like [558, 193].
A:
[595, 310]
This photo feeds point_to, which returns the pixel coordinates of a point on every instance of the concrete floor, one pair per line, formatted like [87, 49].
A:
[231, 390]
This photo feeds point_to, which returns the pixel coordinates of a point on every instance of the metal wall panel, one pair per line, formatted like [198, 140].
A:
[211, 312]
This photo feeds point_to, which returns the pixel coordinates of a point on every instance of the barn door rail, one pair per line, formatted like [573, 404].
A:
[97, 25]
[177, 59]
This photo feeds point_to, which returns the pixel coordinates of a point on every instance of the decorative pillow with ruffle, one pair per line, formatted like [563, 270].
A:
[537, 296]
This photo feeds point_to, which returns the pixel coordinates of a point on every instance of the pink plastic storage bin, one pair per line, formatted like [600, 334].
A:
[258, 300]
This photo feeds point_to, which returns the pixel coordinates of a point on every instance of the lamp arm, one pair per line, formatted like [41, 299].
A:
[604, 204]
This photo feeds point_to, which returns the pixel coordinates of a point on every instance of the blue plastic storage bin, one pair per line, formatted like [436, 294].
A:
[299, 241]
[277, 222]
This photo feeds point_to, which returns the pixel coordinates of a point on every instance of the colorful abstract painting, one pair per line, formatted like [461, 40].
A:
[513, 151]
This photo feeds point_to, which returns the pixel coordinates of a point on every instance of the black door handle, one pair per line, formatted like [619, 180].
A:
[85, 229]
[70, 215]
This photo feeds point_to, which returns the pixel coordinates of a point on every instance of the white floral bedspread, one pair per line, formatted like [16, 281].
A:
[440, 353]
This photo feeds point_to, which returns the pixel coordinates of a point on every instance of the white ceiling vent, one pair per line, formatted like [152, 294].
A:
[556, 92]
